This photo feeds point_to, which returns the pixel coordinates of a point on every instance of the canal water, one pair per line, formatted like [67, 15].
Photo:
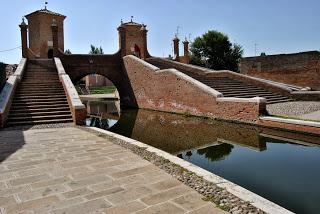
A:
[281, 166]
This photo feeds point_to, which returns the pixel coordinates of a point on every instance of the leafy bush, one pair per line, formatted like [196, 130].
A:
[2, 75]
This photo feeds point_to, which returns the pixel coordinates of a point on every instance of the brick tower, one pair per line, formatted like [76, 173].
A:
[40, 33]
[133, 39]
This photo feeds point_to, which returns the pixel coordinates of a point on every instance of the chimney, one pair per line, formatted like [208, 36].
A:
[176, 48]
[186, 50]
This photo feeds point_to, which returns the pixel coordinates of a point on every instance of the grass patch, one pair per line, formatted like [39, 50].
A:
[103, 90]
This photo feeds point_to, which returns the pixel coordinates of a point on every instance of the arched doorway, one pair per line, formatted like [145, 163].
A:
[50, 53]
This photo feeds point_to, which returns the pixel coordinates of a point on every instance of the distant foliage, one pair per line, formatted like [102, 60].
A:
[67, 51]
[2, 67]
[2, 75]
[95, 50]
[214, 50]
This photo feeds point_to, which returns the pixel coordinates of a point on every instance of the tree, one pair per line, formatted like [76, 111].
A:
[95, 50]
[214, 50]
[67, 51]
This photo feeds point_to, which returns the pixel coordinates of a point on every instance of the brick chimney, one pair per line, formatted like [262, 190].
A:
[186, 50]
[176, 48]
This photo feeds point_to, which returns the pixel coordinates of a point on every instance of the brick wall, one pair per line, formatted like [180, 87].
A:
[302, 69]
[172, 91]
[40, 33]
[95, 80]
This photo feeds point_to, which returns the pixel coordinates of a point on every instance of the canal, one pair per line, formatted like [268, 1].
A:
[282, 167]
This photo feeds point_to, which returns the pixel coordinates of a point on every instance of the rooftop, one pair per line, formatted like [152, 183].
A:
[46, 11]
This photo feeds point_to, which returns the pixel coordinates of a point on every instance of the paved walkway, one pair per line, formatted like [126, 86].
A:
[68, 170]
[309, 110]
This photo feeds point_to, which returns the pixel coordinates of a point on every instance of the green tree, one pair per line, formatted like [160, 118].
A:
[67, 51]
[214, 50]
[95, 50]
[2, 75]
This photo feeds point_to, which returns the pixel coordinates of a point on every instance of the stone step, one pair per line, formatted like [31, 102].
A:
[40, 87]
[28, 76]
[44, 83]
[243, 91]
[38, 122]
[31, 110]
[40, 92]
[35, 90]
[42, 99]
[18, 96]
[40, 106]
[13, 118]
[40, 113]
[41, 82]
[37, 103]
[235, 93]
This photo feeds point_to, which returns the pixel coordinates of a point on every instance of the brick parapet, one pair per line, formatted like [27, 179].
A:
[8, 91]
[278, 88]
[172, 91]
[302, 69]
[78, 110]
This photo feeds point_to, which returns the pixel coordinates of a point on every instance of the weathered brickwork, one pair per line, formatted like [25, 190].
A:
[302, 69]
[292, 127]
[172, 91]
[40, 32]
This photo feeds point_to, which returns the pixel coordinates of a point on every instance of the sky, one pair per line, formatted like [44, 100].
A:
[275, 26]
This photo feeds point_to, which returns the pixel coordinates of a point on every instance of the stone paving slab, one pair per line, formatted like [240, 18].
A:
[69, 170]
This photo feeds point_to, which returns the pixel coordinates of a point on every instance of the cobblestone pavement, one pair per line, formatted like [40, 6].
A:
[299, 109]
[68, 170]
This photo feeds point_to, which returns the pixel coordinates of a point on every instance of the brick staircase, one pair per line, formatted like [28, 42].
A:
[40, 97]
[233, 88]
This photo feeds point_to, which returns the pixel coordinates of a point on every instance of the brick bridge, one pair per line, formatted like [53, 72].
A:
[42, 90]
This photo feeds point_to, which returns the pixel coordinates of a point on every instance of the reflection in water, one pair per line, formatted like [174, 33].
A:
[218, 152]
[102, 114]
[280, 166]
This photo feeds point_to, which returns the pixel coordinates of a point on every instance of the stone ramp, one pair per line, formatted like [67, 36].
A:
[40, 97]
[230, 87]
[69, 170]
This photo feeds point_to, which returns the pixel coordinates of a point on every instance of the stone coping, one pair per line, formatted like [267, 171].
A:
[59, 66]
[20, 69]
[72, 92]
[68, 85]
[292, 121]
[242, 100]
[242, 193]
[7, 92]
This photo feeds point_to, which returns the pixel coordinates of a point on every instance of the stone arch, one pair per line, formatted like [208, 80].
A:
[109, 66]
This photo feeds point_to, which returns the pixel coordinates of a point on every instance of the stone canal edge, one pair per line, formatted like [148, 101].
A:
[225, 194]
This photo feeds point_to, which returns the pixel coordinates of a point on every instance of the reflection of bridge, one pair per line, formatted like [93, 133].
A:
[148, 83]
[176, 133]
[104, 116]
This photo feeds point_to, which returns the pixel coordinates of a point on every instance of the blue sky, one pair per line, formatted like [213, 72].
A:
[277, 26]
